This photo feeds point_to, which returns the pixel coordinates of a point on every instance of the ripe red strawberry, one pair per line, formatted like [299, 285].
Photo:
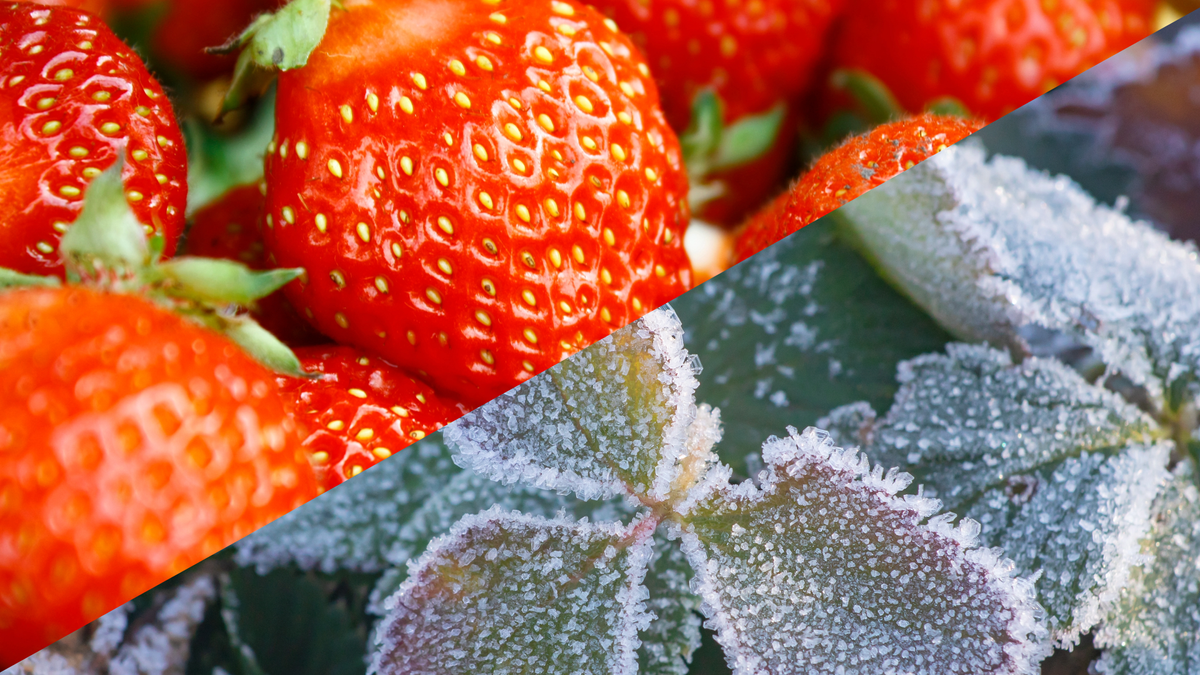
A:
[476, 190]
[189, 26]
[133, 444]
[846, 172]
[361, 410]
[231, 228]
[992, 55]
[71, 96]
[753, 56]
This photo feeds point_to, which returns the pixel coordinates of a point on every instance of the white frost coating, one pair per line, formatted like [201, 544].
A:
[670, 640]
[1155, 627]
[45, 662]
[610, 420]
[509, 593]
[988, 247]
[110, 630]
[1079, 523]
[163, 646]
[823, 569]
[354, 525]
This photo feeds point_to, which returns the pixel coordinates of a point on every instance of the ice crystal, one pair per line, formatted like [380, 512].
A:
[610, 420]
[1030, 452]
[45, 662]
[510, 593]
[110, 630]
[356, 524]
[162, 647]
[668, 643]
[989, 247]
[823, 568]
[1155, 627]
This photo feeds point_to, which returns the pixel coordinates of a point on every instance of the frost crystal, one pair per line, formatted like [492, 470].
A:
[610, 420]
[163, 646]
[354, 525]
[824, 569]
[668, 643]
[1155, 628]
[510, 593]
[988, 247]
[1028, 452]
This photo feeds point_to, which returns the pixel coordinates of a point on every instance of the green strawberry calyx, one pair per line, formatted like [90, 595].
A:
[710, 147]
[107, 247]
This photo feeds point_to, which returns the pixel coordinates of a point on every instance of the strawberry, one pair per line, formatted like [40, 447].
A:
[753, 56]
[231, 228]
[362, 410]
[846, 172]
[71, 96]
[136, 436]
[991, 55]
[476, 189]
[133, 444]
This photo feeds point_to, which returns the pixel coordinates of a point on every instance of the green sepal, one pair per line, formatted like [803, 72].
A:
[106, 234]
[213, 280]
[949, 106]
[11, 279]
[282, 40]
[750, 138]
[702, 138]
[264, 347]
[872, 95]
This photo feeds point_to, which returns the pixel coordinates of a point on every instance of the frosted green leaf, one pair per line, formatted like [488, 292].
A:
[966, 421]
[509, 593]
[354, 525]
[1059, 473]
[669, 641]
[823, 568]
[795, 331]
[990, 248]
[610, 420]
[1155, 627]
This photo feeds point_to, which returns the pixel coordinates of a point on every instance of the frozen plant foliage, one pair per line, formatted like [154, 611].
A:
[354, 525]
[668, 643]
[1061, 474]
[509, 593]
[1155, 628]
[988, 247]
[968, 420]
[823, 568]
[610, 420]
[162, 648]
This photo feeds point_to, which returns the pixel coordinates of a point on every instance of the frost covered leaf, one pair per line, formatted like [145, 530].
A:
[353, 526]
[610, 420]
[799, 329]
[824, 569]
[510, 593]
[1059, 473]
[991, 247]
[669, 641]
[1155, 628]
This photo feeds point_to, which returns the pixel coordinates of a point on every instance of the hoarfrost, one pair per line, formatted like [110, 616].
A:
[509, 593]
[45, 662]
[670, 640]
[162, 647]
[110, 630]
[988, 247]
[824, 569]
[1155, 627]
[1059, 473]
[354, 525]
[610, 420]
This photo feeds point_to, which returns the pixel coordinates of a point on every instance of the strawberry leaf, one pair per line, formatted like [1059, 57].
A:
[822, 568]
[214, 280]
[564, 431]
[107, 235]
[670, 640]
[281, 40]
[11, 279]
[992, 249]
[1152, 629]
[797, 330]
[1061, 474]
[509, 593]
[748, 139]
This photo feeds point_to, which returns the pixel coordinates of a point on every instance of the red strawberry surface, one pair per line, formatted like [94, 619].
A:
[72, 95]
[133, 444]
[231, 228]
[476, 190]
[753, 55]
[846, 172]
[361, 410]
[992, 55]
